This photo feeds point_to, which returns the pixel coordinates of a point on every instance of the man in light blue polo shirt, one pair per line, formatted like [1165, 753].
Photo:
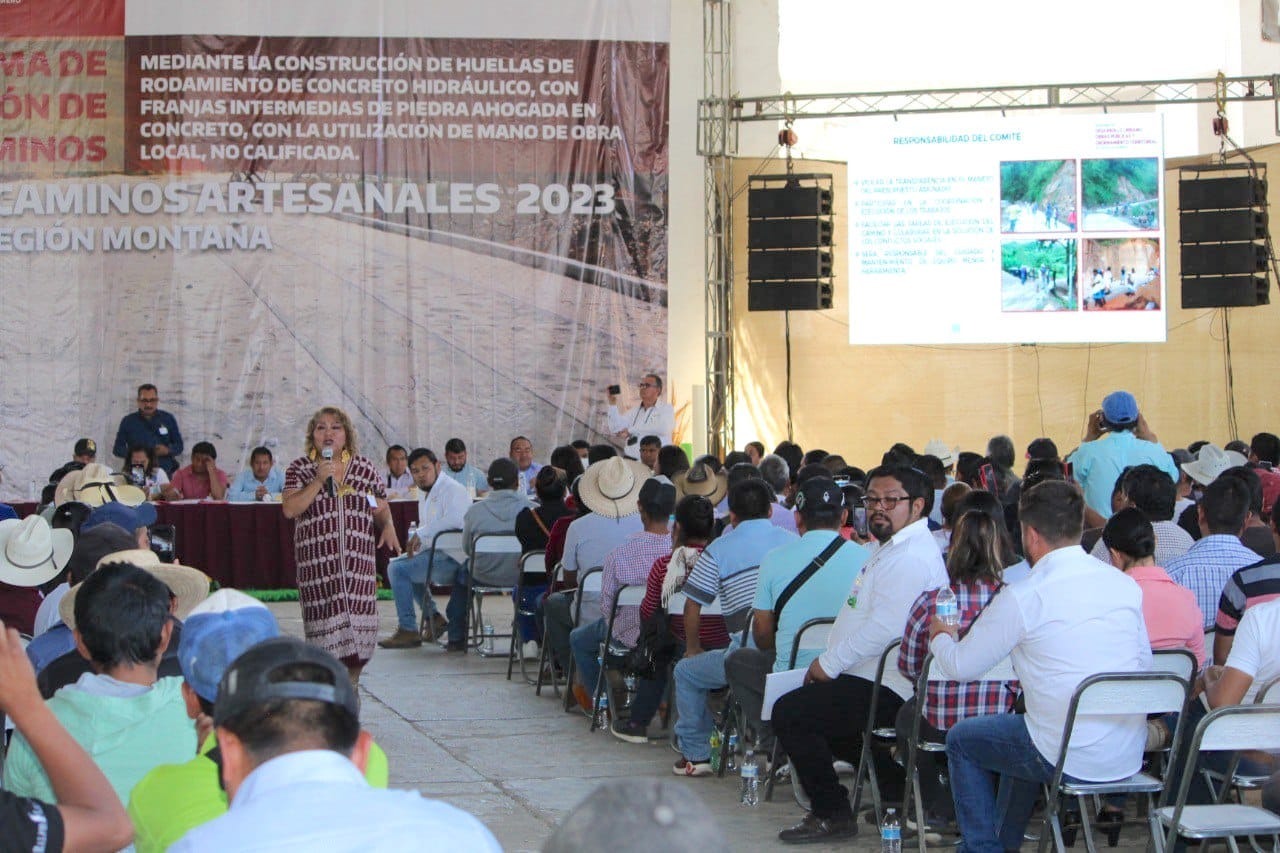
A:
[727, 570]
[1100, 458]
[819, 514]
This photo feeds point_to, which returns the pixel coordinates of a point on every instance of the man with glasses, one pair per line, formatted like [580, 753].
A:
[653, 416]
[150, 427]
[824, 719]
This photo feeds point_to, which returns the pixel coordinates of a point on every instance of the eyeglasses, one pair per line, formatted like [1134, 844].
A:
[648, 385]
[888, 501]
[148, 399]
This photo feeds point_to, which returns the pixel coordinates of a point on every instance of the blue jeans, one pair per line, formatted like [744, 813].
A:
[695, 678]
[993, 813]
[585, 642]
[408, 579]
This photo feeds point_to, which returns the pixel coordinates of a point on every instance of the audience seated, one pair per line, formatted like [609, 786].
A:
[521, 453]
[1153, 493]
[87, 816]
[533, 528]
[261, 481]
[727, 571]
[202, 478]
[798, 581]
[397, 476]
[974, 563]
[31, 554]
[124, 715]
[627, 565]
[175, 798]
[1208, 564]
[187, 587]
[1256, 535]
[495, 514]
[457, 468]
[823, 720]
[293, 767]
[1072, 617]
[774, 471]
[442, 505]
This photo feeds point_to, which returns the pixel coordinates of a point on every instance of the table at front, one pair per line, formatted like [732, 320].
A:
[247, 546]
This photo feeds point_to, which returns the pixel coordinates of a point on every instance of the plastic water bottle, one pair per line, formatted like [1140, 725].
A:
[890, 833]
[750, 780]
[602, 711]
[488, 639]
[731, 760]
[413, 533]
[716, 739]
[946, 607]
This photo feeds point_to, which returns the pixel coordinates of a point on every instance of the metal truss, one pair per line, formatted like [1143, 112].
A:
[717, 144]
[1207, 90]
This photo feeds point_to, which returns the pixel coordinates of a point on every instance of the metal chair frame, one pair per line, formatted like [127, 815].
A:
[592, 580]
[516, 652]
[815, 632]
[1111, 694]
[546, 666]
[629, 595]
[452, 542]
[488, 544]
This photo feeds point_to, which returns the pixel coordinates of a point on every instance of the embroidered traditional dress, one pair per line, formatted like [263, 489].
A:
[334, 542]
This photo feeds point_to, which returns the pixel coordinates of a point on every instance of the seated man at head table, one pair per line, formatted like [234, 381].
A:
[261, 481]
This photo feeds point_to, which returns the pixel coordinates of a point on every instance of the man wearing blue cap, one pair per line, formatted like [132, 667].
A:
[175, 798]
[1117, 436]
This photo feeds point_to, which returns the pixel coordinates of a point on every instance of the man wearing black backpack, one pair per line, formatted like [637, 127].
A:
[807, 579]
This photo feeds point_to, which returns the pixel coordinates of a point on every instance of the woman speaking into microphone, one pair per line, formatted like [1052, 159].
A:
[337, 498]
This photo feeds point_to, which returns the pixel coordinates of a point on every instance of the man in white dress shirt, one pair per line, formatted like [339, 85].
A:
[442, 504]
[1071, 618]
[823, 719]
[654, 416]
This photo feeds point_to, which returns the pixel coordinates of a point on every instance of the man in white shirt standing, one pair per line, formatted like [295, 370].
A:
[442, 503]
[293, 758]
[654, 416]
[1071, 618]
[831, 710]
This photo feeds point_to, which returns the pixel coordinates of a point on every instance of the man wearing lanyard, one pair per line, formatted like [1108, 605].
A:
[652, 417]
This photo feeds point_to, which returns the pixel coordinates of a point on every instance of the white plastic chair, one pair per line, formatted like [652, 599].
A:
[1231, 729]
[1113, 694]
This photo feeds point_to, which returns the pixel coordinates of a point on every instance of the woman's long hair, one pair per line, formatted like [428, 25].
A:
[978, 547]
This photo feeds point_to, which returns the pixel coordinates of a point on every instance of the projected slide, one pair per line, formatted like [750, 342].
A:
[1019, 229]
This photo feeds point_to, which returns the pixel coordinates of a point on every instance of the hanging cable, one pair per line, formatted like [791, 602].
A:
[787, 138]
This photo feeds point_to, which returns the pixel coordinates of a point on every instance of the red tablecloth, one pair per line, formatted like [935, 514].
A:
[247, 546]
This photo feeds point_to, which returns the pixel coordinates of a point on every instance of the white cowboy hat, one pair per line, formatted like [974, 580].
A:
[31, 552]
[1212, 461]
[611, 487]
[95, 485]
[937, 447]
[189, 586]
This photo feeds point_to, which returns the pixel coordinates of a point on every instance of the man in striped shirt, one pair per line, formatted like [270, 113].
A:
[727, 570]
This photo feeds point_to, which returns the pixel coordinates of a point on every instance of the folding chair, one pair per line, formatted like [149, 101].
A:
[1267, 695]
[546, 666]
[1112, 694]
[866, 768]
[811, 636]
[589, 582]
[1002, 671]
[730, 717]
[531, 563]
[445, 542]
[628, 596]
[500, 574]
[675, 607]
[1179, 662]
[1234, 728]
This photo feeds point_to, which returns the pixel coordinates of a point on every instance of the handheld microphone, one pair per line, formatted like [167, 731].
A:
[329, 488]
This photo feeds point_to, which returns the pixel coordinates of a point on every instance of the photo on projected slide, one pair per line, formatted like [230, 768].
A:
[1121, 194]
[1038, 275]
[1037, 196]
[1122, 275]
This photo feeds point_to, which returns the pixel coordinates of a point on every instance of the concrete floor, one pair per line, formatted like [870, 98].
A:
[455, 729]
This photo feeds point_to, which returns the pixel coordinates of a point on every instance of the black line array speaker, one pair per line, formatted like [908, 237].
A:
[1222, 229]
[789, 242]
